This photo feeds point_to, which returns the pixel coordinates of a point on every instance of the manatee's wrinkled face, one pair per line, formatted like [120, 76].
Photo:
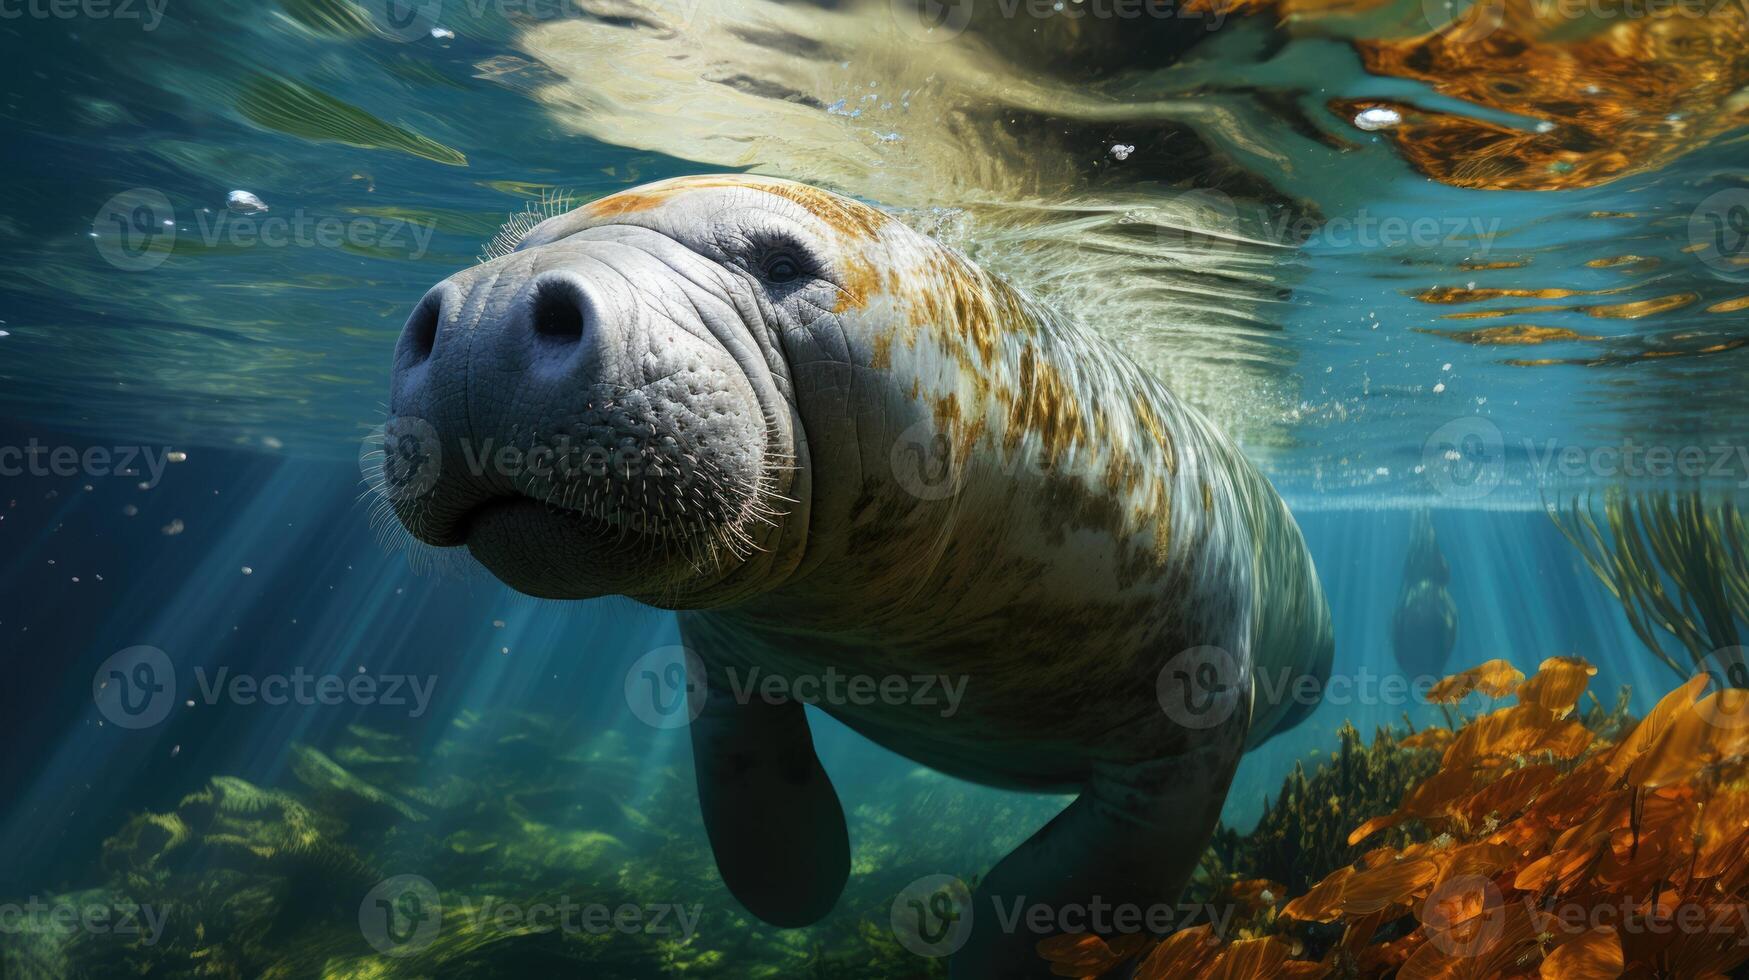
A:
[607, 409]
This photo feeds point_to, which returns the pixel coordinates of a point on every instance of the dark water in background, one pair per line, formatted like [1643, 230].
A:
[324, 595]
[267, 365]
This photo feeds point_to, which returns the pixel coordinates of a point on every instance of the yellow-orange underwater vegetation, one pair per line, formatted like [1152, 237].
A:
[1550, 851]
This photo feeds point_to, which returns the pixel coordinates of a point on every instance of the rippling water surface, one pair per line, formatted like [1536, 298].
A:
[1339, 229]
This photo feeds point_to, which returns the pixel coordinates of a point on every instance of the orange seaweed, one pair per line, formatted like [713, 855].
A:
[1556, 854]
[1496, 678]
[1595, 955]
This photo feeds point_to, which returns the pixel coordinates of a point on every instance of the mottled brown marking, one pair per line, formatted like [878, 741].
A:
[968, 310]
[628, 202]
[855, 224]
[1044, 406]
[1159, 508]
[881, 357]
[1157, 429]
[860, 280]
[852, 219]
[963, 434]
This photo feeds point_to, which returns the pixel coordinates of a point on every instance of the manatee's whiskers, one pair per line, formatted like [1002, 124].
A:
[517, 226]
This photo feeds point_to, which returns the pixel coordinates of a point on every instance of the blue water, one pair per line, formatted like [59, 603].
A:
[266, 363]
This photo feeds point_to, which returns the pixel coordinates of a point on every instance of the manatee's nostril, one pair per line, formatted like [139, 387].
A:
[420, 334]
[558, 311]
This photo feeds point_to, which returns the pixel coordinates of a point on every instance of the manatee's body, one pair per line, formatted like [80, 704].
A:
[971, 487]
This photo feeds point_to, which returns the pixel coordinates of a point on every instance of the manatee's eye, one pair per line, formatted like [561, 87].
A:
[780, 268]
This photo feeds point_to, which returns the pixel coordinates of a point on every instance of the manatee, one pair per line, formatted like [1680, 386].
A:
[833, 444]
[1424, 627]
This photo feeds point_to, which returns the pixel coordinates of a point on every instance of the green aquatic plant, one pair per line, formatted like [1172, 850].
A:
[1679, 563]
[296, 109]
[510, 811]
[1303, 834]
[331, 18]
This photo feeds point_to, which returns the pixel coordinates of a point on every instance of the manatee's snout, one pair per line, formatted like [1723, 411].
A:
[574, 415]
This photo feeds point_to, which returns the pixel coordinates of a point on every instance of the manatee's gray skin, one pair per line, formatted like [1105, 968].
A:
[838, 444]
[1424, 628]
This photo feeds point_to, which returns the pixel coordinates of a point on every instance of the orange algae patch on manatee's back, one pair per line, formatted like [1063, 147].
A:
[853, 220]
[627, 203]
[825, 205]
[854, 224]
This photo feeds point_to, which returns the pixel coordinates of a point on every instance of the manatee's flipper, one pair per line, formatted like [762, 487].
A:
[1132, 839]
[773, 818]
